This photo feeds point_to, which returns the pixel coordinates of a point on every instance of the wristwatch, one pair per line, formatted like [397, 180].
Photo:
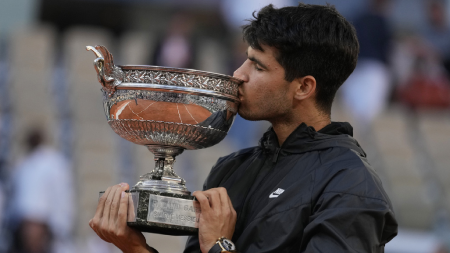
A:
[223, 245]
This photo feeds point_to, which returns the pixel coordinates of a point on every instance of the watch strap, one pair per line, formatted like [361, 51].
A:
[215, 249]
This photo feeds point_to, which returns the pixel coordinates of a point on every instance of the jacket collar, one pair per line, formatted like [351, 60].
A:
[305, 139]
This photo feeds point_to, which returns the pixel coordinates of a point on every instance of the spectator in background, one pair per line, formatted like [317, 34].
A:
[366, 90]
[437, 33]
[42, 200]
[176, 48]
[423, 81]
[421, 63]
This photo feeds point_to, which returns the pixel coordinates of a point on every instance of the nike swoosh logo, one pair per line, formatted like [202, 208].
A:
[274, 195]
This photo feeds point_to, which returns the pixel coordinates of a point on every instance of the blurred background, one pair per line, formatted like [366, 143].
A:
[57, 150]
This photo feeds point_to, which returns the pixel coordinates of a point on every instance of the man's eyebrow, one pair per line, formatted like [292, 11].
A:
[253, 59]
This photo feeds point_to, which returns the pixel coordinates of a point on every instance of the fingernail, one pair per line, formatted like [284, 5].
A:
[123, 184]
[123, 194]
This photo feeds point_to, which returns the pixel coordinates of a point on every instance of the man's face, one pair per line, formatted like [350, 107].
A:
[265, 93]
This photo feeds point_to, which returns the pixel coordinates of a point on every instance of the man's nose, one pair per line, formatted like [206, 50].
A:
[239, 73]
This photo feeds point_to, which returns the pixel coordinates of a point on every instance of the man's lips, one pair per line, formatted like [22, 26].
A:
[240, 94]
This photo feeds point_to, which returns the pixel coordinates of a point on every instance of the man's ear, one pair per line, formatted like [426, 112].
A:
[305, 87]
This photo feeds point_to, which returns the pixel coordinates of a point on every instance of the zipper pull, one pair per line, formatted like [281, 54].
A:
[275, 156]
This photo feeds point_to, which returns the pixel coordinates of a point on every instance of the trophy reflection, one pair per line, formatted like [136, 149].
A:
[167, 110]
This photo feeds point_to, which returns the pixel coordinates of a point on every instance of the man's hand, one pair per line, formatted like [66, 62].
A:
[217, 218]
[110, 221]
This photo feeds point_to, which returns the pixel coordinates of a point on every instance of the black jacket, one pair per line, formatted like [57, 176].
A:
[316, 193]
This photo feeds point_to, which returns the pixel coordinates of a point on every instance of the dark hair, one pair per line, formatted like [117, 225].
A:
[311, 40]
[34, 138]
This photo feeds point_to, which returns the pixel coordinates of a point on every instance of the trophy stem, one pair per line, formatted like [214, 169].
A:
[164, 170]
[162, 178]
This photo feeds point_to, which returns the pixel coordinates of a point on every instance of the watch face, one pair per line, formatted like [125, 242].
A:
[228, 245]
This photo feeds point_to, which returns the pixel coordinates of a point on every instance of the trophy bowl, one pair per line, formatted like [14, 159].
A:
[167, 110]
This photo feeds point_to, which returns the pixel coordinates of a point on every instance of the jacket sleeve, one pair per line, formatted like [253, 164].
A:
[192, 245]
[343, 222]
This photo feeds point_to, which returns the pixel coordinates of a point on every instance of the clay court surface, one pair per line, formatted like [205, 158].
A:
[159, 111]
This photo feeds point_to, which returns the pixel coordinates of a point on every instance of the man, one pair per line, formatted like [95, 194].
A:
[40, 180]
[307, 187]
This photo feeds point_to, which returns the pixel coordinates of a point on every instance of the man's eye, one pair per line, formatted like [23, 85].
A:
[258, 69]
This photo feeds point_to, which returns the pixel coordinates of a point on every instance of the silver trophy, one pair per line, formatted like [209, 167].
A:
[167, 110]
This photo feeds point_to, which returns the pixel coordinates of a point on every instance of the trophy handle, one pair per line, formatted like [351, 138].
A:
[109, 75]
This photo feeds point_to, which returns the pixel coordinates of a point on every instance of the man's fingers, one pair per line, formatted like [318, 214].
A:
[233, 212]
[214, 198]
[101, 204]
[116, 202]
[95, 228]
[104, 221]
[107, 207]
[125, 186]
[121, 221]
[218, 200]
[202, 200]
[230, 204]
[109, 200]
[224, 201]
[114, 207]
[123, 209]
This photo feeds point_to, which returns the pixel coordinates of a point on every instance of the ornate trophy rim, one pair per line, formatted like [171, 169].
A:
[181, 89]
[113, 77]
[181, 80]
[180, 70]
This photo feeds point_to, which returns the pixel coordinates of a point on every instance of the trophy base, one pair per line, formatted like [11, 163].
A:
[164, 229]
[163, 212]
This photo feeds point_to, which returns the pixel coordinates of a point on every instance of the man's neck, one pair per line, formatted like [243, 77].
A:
[284, 128]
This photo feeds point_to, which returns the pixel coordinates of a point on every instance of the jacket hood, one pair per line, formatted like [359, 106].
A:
[306, 139]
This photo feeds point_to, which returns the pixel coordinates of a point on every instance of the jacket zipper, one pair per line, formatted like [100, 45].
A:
[275, 156]
[249, 199]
